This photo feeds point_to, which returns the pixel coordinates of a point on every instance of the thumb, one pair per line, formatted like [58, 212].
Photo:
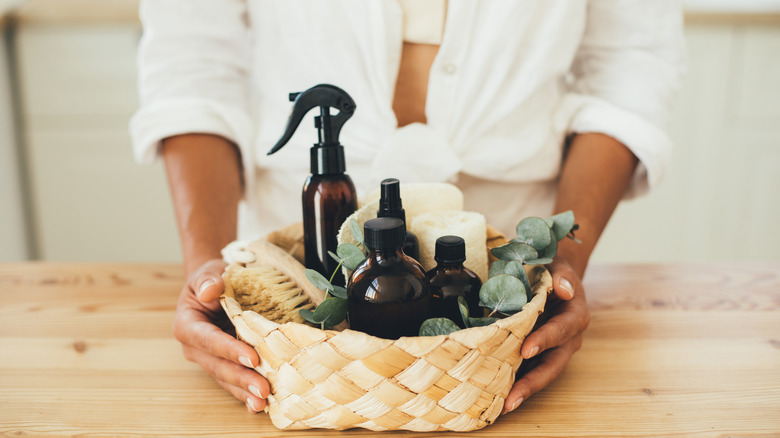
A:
[208, 284]
[563, 283]
[563, 287]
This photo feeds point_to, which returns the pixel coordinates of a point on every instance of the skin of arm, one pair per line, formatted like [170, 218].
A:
[595, 175]
[204, 175]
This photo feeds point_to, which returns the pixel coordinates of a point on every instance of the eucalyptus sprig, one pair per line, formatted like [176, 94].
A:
[333, 310]
[507, 289]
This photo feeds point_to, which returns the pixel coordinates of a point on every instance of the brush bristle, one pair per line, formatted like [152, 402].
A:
[269, 293]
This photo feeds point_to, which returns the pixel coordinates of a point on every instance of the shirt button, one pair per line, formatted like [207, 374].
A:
[450, 68]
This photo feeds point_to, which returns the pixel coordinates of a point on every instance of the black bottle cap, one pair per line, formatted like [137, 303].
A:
[384, 233]
[450, 249]
[327, 160]
[390, 199]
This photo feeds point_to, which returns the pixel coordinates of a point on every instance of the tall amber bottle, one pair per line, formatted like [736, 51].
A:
[450, 280]
[388, 295]
[328, 194]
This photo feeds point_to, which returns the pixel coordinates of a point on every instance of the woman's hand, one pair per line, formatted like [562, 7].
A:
[557, 339]
[197, 326]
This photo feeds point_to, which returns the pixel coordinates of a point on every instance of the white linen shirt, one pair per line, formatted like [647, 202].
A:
[510, 81]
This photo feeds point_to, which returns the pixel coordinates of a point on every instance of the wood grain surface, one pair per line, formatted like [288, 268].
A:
[686, 350]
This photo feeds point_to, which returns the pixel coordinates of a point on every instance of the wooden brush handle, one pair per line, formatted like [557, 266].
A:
[271, 255]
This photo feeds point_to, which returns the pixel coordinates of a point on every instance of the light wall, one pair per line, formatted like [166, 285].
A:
[721, 198]
[90, 202]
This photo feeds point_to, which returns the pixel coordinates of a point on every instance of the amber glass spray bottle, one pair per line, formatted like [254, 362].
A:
[328, 194]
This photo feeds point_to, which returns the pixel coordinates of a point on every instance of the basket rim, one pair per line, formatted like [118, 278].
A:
[542, 287]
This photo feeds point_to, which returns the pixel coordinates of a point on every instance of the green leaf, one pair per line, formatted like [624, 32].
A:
[562, 224]
[551, 250]
[308, 315]
[534, 231]
[503, 293]
[515, 250]
[318, 280]
[339, 292]
[549, 221]
[334, 256]
[464, 310]
[357, 233]
[331, 311]
[438, 326]
[511, 267]
[546, 254]
[539, 261]
[481, 322]
[351, 255]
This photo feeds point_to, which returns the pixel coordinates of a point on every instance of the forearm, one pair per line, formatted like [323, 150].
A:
[595, 175]
[204, 174]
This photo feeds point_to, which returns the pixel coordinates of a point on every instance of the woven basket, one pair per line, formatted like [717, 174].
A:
[343, 379]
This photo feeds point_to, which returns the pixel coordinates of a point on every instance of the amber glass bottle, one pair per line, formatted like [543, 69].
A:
[328, 194]
[327, 202]
[450, 280]
[388, 294]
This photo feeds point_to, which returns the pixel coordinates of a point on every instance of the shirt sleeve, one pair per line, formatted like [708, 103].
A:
[193, 70]
[626, 76]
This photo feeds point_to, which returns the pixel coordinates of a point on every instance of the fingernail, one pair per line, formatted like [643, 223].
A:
[567, 287]
[516, 404]
[253, 389]
[245, 361]
[250, 405]
[534, 352]
[205, 285]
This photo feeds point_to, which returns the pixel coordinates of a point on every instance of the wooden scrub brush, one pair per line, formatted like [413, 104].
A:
[267, 280]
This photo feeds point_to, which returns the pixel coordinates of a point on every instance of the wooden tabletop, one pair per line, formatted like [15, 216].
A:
[684, 350]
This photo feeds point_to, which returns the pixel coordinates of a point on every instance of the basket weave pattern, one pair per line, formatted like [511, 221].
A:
[339, 380]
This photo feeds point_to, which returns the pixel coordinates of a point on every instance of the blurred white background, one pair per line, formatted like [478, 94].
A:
[70, 191]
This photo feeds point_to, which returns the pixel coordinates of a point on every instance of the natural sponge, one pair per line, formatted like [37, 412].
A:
[470, 226]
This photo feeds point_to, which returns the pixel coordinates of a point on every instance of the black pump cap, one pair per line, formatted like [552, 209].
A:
[390, 199]
[327, 155]
[450, 249]
[384, 233]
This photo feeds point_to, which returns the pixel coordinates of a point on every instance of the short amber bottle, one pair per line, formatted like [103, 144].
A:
[450, 280]
[388, 295]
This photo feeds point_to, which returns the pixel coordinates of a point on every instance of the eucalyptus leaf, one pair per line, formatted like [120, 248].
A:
[481, 322]
[511, 267]
[350, 255]
[339, 292]
[503, 293]
[515, 250]
[539, 261]
[334, 256]
[534, 231]
[318, 280]
[331, 311]
[549, 221]
[357, 233]
[464, 310]
[308, 315]
[438, 326]
[551, 250]
[562, 224]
